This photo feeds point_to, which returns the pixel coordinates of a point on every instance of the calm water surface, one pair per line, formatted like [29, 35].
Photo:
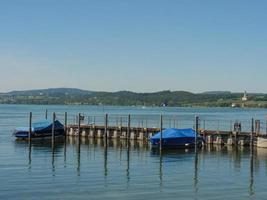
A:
[89, 172]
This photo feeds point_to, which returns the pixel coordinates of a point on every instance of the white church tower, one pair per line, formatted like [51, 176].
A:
[245, 98]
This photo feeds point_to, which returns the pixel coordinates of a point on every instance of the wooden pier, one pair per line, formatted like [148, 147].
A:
[143, 134]
[127, 127]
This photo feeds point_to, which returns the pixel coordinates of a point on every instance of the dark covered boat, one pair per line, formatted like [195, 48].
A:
[40, 129]
[176, 138]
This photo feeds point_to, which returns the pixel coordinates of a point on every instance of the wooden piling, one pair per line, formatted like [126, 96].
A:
[257, 127]
[161, 129]
[120, 125]
[128, 130]
[196, 130]
[94, 128]
[45, 113]
[79, 127]
[30, 127]
[251, 135]
[120, 121]
[53, 129]
[66, 124]
[106, 131]
[29, 139]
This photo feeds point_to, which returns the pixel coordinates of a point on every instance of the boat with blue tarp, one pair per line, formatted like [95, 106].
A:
[41, 129]
[176, 138]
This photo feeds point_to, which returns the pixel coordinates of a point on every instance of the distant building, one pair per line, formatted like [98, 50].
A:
[245, 98]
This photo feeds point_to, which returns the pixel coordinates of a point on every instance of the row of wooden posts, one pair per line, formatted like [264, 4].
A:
[128, 129]
[53, 126]
[105, 130]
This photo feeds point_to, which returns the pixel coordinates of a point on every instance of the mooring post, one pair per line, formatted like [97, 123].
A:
[251, 135]
[121, 125]
[161, 129]
[30, 127]
[196, 129]
[106, 130]
[257, 128]
[79, 127]
[66, 123]
[45, 113]
[128, 130]
[53, 129]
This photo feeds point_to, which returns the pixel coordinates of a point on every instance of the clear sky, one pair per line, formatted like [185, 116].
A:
[137, 45]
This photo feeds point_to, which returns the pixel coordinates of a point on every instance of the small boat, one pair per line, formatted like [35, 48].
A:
[176, 138]
[40, 129]
[262, 142]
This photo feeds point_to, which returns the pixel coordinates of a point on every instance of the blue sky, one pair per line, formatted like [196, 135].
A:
[140, 45]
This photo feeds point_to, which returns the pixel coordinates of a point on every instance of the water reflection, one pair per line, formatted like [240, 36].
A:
[160, 170]
[65, 152]
[128, 166]
[79, 158]
[105, 161]
[251, 177]
[118, 151]
[196, 171]
[53, 160]
[30, 155]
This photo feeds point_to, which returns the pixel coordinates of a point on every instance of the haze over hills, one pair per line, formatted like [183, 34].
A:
[81, 91]
[128, 98]
[49, 91]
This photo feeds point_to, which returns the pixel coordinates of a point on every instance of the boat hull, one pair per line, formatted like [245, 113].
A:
[176, 142]
[46, 134]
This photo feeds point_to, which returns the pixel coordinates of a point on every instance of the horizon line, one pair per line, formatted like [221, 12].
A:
[124, 90]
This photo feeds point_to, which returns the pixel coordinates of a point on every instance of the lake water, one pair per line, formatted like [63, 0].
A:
[90, 172]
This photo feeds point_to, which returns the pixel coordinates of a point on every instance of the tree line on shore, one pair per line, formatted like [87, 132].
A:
[127, 98]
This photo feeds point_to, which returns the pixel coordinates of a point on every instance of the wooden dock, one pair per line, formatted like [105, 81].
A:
[131, 131]
[143, 134]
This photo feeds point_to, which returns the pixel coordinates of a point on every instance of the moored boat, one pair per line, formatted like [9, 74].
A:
[176, 138]
[41, 129]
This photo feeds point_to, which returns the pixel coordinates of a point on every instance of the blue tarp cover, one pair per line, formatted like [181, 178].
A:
[38, 125]
[175, 133]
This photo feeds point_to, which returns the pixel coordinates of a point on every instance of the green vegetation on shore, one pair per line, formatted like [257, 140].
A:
[126, 98]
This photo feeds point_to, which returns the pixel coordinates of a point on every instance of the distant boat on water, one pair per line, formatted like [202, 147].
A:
[41, 129]
[176, 138]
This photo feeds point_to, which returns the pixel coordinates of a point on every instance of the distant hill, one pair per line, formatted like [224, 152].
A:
[217, 92]
[128, 98]
[50, 91]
